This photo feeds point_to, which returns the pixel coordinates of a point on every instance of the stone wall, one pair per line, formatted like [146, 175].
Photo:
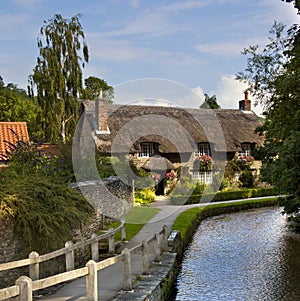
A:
[11, 248]
[110, 196]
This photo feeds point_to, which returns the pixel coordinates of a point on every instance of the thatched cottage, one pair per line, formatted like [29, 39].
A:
[164, 138]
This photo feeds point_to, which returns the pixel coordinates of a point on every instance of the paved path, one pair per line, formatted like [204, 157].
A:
[110, 278]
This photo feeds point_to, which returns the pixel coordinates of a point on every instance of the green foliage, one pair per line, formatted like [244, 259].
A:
[144, 196]
[93, 85]
[143, 178]
[27, 158]
[105, 165]
[58, 76]
[274, 77]
[199, 188]
[16, 105]
[210, 102]
[229, 195]
[246, 179]
[44, 209]
[292, 207]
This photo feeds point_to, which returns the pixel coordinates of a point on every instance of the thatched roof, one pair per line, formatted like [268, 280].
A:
[175, 129]
[158, 163]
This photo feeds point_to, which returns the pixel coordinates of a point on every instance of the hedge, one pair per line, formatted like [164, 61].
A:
[224, 196]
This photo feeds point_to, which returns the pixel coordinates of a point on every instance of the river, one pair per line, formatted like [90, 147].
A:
[245, 256]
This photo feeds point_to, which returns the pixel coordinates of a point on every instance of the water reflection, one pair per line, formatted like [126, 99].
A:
[247, 256]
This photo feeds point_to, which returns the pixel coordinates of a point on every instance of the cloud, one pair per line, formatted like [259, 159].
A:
[229, 91]
[149, 24]
[230, 49]
[286, 11]
[134, 3]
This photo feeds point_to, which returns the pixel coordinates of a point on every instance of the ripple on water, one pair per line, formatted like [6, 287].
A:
[247, 256]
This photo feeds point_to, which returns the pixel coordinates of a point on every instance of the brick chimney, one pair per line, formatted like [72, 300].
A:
[245, 104]
[101, 115]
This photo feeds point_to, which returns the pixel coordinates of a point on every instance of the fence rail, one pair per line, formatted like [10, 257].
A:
[35, 258]
[25, 286]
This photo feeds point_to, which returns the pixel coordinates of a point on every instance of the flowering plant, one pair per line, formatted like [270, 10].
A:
[171, 180]
[155, 177]
[204, 162]
[170, 175]
[248, 159]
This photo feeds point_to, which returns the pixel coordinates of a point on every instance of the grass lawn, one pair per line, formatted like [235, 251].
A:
[135, 220]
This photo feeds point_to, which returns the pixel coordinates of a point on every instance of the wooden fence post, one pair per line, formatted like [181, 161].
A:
[123, 231]
[34, 269]
[95, 248]
[92, 281]
[69, 256]
[157, 248]
[127, 284]
[25, 287]
[111, 242]
[145, 254]
[165, 247]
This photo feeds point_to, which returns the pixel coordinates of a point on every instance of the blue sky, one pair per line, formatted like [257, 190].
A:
[194, 43]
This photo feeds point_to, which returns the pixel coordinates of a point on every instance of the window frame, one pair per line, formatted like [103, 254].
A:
[147, 150]
[245, 150]
[205, 177]
[203, 149]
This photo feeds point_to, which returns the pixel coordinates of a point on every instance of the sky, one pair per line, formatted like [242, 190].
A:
[193, 43]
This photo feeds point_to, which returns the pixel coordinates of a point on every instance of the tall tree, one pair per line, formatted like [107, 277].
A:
[210, 102]
[274, 76]
[58, 75]
[93, 85]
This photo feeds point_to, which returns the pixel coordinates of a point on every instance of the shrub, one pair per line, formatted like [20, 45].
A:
[44, 209]
[199, 188]
[105, 165]
[228, 195]
[144, 196]
[246, 178]
[28, 158]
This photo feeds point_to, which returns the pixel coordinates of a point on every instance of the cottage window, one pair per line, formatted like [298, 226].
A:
[204, 177]
[246, 149]
[203, 149]
[147, 150]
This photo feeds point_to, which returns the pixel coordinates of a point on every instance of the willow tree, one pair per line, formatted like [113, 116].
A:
[57, 76]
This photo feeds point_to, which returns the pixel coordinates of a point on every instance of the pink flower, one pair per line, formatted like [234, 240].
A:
[155, 176]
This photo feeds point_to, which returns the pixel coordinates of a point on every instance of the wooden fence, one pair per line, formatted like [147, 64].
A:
[25, 286]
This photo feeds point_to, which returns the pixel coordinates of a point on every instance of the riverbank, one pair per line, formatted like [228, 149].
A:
[158, 285]
[247, 255]
[196, 214]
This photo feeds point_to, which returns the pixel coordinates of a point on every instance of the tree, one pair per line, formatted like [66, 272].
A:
[16, 105]
[210, 102]
[58, 75]
[274, 76]
[93, 85]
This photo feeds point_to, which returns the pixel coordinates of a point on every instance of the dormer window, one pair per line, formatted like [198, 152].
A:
[246, 149]
[147, 150]
[203, 149]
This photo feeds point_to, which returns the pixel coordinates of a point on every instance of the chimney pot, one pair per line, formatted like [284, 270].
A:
[101, 114]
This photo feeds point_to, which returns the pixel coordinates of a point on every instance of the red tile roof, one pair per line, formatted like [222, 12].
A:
[20, 128]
